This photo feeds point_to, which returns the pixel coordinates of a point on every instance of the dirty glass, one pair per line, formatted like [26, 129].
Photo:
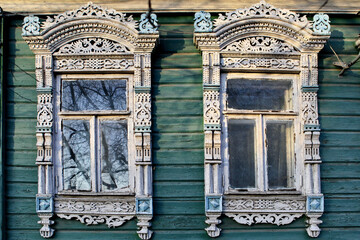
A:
[242, 153]
[114, 152]
[279, 154]
[76, 155]
[259, 94]
[92, 95]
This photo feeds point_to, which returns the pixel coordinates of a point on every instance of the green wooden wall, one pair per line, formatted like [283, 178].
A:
[178, 143]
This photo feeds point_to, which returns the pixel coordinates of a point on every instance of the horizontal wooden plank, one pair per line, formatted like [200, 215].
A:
[21, 158]
[19, 48]
[20, 78]
[339, 123]
[176, 31]
[174, 76]
[339, 91]
[180, 92]
[351, 76]
[177, 45]
[18, 142]
[176, 141]
[176, 60]
[181, 189]
[178, 108]
[339, 107]
[21, 174]
[340, 154]
[340, 46]
[344, 31]
[344, 204]
[21, 95]
[340, 186]
[25, 63]
[177, 124]
[20, 190]
[340, 139]
[326, 61]
[21, 110]
[174, 157]
[340, 170]
[20, 126]
[179, 173]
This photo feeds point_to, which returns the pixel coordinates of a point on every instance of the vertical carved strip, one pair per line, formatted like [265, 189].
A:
[139, 147]
[208, 145]
[308, 146]
[304, 75]
[314, 70]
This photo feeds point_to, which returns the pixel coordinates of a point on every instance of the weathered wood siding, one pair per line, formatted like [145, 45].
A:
[178, 144]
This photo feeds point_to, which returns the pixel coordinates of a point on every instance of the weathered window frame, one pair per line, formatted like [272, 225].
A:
[236, 46]
[62, 49]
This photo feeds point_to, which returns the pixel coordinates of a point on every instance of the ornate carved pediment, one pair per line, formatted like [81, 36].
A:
[262, 9]
[90, 11]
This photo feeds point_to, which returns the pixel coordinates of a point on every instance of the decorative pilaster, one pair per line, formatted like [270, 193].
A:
[142, 120]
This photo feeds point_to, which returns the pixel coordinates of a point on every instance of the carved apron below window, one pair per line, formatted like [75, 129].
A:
[260, 81]
[93, 72]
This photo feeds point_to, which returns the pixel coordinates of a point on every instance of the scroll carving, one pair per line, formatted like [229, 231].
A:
[94, 207]
[261, 45]
[93, 64]
[90, 10]
[254, 63]
[202, 22]
[262, 9]
[211, 107]
[31, 26]
[321, 23]
[148, 23]
[264, 205]
[93, 46]
[272, 218]
[310, 108]
[45, 111]
[109, 220]
[143, 109]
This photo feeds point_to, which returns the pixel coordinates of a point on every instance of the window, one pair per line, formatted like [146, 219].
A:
[94, 129]
[260, 115]
[93, 74]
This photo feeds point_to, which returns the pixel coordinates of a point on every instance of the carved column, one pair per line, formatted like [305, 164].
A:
[311, 127]
[44, 198]
[142, 124]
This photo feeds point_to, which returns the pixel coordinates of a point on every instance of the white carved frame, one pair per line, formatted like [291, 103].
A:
[295, 44]
[124, 52]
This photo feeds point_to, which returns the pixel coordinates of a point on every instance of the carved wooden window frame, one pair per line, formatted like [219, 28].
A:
[61, 47]
[233, 46]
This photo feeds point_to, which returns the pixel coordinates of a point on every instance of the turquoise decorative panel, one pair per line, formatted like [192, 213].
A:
[315, 204]
[213, 203]
[44, 204]
[144, 206]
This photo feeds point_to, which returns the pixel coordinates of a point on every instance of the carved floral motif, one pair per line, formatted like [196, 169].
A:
[260, 63]
[264, 205]
[90, 11]
[202, 22]
[93, 46]
[211, 107]
[93, 64]
[31, 26]
[272, 218]
[142, 109]
[73, 206]
[148, 24]
[309, 108]
[261, 45]
[44, 110]
[261, 9]
[109, 220]
[321, 23]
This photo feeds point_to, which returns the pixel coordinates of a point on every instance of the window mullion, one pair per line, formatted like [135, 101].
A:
[262, 153]
[94, 154]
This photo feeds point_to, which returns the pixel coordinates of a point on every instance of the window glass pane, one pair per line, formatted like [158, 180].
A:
[259, 94]
[76, 154]
[114, 170]
[93, 95]
[279, 154]
[242, 153]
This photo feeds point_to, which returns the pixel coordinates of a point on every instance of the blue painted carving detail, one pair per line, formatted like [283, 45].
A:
[31, 26]
[315, 204]
[213, 203]
[148, 24]
[44, 204]
[144, 206]
[203, 22]
[321, 24]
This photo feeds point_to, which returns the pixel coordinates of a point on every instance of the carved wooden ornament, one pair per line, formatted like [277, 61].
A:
[94, 41]
[265, 42]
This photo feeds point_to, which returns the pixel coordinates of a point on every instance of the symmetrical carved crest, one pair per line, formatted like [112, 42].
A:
[93, 39]
[93, 46]
[258, 40]
[261, 44]
[90, 11]
[261, 10]
[148, 23]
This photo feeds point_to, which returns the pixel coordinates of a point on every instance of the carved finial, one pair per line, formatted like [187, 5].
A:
[321, 24]
[31, 26]
[46, 231]
[144, 232]
[148, 24]
[213, 230]
[202, 22]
